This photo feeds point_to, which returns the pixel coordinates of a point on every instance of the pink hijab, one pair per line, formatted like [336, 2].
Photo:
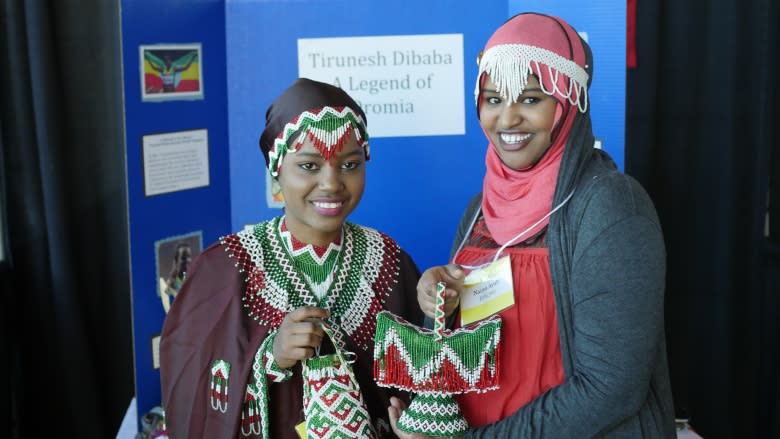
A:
[547, 47]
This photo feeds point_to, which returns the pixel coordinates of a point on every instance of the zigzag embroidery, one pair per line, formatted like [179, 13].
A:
[369, 270]
[280, 144]
[324, 138]
[288, 239]
[435, 364]
[338, 416]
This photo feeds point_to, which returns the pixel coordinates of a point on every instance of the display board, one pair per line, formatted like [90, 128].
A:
[199, 75]
[421, 172]
[173, 55]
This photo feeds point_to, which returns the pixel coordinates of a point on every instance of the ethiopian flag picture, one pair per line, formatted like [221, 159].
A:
[171, 72]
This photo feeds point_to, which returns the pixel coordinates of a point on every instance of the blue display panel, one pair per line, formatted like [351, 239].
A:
[157, 222]
[417, 187]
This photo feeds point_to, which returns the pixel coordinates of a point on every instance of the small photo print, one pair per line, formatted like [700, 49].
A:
[174, 256]
[171, 72]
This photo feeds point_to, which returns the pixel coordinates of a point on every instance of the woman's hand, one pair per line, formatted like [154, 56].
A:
[452, 276]
[299, 335]
[394, 412]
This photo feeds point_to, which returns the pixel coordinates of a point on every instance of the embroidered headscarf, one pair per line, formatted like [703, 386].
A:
[550, 49]
[323, 113]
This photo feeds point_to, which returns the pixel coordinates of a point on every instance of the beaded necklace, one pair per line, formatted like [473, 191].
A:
[364, 274]
[316, 263]
[281, 267]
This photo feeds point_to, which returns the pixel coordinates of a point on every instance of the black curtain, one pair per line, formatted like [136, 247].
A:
[66, 283]
[702, 115]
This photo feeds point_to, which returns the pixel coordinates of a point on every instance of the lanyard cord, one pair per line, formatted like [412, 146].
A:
[503, 247]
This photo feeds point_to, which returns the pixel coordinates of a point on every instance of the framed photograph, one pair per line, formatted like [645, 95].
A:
[173, 257]
[171, 72]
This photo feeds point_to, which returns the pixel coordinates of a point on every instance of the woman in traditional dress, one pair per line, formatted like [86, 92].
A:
[583, 347]
[254, 304]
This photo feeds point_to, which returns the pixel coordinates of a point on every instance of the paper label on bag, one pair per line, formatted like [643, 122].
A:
[301, 429]
[486, 291]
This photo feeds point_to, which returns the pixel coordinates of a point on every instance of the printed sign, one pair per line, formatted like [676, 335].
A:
[175, 161]
[408, 85]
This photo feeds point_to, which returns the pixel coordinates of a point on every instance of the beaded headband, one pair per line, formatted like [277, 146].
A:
[328, 128]
[509, 65]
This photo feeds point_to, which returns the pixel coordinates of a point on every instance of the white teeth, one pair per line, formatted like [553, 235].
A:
[323, 205]
[515, 138]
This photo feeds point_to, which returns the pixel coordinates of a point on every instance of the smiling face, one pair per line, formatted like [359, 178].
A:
[319, 194]
[520, 131]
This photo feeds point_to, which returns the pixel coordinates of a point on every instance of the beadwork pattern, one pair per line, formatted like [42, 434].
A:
[253, 416]
[317, 267]
[365, 274]
[509, 65]
[436, 364]
[409, 357]
[332, 402]
[365, 269]
[218, 392]
[433, 415]
[254, 413]
[328, 128]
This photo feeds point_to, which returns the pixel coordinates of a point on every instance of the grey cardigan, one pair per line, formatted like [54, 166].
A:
[607, 260]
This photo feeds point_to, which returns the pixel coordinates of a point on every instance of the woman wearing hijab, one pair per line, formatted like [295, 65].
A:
[583, 349]
[254, 304]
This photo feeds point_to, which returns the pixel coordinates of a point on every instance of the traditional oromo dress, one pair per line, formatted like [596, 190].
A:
[215, 349]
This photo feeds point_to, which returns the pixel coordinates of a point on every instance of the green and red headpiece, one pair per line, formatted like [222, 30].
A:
[321, 112]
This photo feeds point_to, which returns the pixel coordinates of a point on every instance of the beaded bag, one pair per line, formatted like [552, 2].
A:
[436, 364]
[332, 402]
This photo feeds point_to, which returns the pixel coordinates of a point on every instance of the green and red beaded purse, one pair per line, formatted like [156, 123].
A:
[332, 402]
[436, 364]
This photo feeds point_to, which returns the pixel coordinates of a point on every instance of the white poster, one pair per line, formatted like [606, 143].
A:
[175, 161]
[408, 85]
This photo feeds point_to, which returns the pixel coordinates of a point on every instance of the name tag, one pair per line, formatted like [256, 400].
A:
[486, 291]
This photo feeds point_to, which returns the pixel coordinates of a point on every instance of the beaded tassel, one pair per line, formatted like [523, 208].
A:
[218, 395]
[251, 413]
[509, 65]
[328, 135]
[410, 358]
